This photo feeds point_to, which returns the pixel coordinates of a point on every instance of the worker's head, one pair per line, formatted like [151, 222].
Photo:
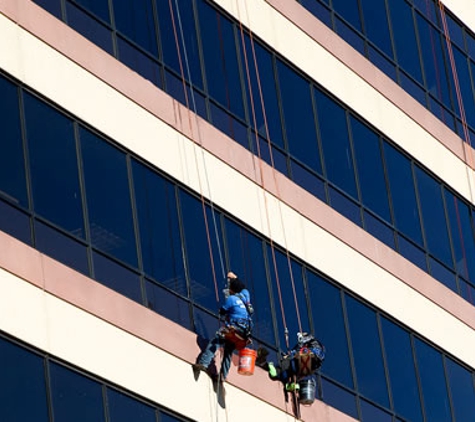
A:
[236, 285]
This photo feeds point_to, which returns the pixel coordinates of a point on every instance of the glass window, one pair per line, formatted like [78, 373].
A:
[374, 193]
[433, 383]
[117, 277]
[289, 296]
[462, 391]
[433, 217]
[339, 398]
[433, 60]
[12, 162]
[15, 222]
[159, 229]
[203, 258]
[337, 154]
[367, 354]
[52, 6]
[61, 247]
[135, 19]
[377, 24]
[98, 7]
[22, 385]
[246, 258]
[402, 24]
[74, 397]
[349, 10]
[464, 81]
[401, 371]
[403, 195]
[179, 24]
[54, 166]
[108, 198]
[299, 121]
[220, 56]
[262, 100]
[329, 327]
[123, 408]
[169, 305]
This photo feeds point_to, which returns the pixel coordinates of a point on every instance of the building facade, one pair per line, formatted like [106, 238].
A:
[320, 149]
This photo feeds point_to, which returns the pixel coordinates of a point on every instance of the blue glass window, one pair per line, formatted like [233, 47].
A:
[374, 193]
[462, 391]
[15, 222]
[12, 162]
[349, 10]
[433, 383]
[462, 235]
[22, 385]
[123, 408]
[401, 183]
[367, 353]
[54, 166]
[74, 397]
[298, 117]
[177, 26]
[337, 154]
[220, 56]
[262, 100]
[401, 371]
[99, 8]
[108, 198]
[246, 258]
[377, 24]
[462, 65]
[135, 19]
[52, 6]
[433, 217]
[158, 225]
[203, 257]
[402, 23]
[329, 327]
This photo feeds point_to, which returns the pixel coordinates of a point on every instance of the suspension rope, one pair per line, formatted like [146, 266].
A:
[194, 108]
[279, 202]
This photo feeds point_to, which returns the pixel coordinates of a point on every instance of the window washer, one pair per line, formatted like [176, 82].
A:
[234, 334]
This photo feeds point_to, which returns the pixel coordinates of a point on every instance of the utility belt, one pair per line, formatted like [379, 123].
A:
[236, 332]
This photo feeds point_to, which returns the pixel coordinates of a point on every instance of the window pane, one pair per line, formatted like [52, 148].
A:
[433, 217]
[14, 222]
[203, 263]
[377, 24]
[22, 385]
[98, 7]
[433, 383]
[54, 166]
[135, 19]
[123, 408]
[349, 10]
[339, 398]
[462, 391]
[247, 260]
[220, 55]
[402, 23]
[401, 371]
[401, 183]
[74, 397]
[372, 180]
[329, 326]
[367, 352]
[12, 162]
[159, 230]
[337, 153]
[108, 198]
[298, 117]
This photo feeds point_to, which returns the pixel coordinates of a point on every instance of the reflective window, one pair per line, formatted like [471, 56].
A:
[12, 162]
[123, 408]
[74, 397]
[401, 371]
[54, 166]
[367, 354]
[433, 383]
[299, 118]
[98, 7]
[377, 24]
[461, 391]
[108, 198]
[329, 327]
[160, 242]
[22, 385]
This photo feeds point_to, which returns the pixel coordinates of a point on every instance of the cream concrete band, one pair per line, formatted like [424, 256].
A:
[72, 87]
[464, 10]
[291, 42]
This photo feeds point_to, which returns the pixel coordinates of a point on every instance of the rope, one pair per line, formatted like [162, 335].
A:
[266, 126]
[194, 108]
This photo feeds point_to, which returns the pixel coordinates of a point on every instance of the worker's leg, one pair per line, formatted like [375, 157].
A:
[227, 357]
[208, 354]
